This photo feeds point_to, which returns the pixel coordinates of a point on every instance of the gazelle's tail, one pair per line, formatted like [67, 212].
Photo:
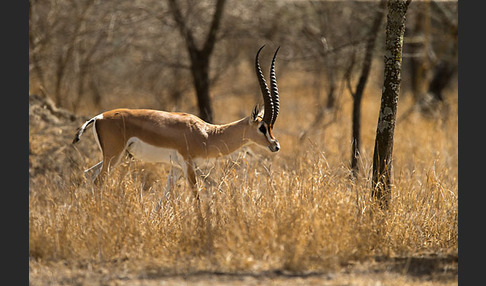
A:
[83, 128]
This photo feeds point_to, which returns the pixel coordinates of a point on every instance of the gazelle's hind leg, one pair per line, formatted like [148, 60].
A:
[108, 163]
[97, 169]
[110, 139]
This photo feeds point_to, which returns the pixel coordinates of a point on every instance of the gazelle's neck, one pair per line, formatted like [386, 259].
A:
[227, 138]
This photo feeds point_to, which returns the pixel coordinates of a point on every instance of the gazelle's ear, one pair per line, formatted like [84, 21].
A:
[256, 113]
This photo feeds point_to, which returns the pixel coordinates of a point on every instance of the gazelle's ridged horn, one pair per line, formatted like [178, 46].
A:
[267, 98]
[274, 89]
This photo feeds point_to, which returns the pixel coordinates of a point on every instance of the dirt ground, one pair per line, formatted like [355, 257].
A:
[379, 271]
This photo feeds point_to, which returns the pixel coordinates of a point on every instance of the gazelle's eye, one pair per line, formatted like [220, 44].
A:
[263, 129]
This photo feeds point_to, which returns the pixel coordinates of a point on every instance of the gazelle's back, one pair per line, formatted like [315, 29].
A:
[181, 131]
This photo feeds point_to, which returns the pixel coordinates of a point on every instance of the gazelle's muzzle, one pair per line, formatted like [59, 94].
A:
[275, 146]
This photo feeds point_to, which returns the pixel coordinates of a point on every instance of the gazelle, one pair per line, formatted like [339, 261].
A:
[180, 138]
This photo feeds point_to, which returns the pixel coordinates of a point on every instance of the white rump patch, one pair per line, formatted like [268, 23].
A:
[95, 134]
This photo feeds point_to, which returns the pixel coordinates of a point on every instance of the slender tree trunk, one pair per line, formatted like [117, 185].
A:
[65, 58]
[62, 62]
[419, 62]
[358, 95]
[331, 95]
[382, 157]
[200, 57]
[443, 73]
[200, 74]
[85, 69]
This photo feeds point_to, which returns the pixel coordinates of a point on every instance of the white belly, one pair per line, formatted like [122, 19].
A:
[150, 153]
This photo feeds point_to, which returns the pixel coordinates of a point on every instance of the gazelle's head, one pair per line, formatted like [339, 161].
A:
[262, 126]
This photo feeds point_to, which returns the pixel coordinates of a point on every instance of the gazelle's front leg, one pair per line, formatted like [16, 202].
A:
[190, 174]
[205, 177]
[174, 174]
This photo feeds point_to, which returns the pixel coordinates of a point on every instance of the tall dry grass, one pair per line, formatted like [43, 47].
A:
[297, 210]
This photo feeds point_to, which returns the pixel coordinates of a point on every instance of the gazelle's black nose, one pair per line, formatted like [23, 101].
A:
[274, 147]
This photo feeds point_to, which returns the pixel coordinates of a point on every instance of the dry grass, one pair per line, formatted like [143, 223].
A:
[294, 212]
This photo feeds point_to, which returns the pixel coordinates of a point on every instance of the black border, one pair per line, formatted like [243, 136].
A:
[471, 143]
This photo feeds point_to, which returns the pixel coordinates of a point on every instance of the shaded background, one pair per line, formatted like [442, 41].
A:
[89, 56]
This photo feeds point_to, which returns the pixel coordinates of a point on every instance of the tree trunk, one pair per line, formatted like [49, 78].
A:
[419, 62]
[382, 157]
[358, 95]
[443, 73]
[200, 74]
[65, 58]
[200, 57]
